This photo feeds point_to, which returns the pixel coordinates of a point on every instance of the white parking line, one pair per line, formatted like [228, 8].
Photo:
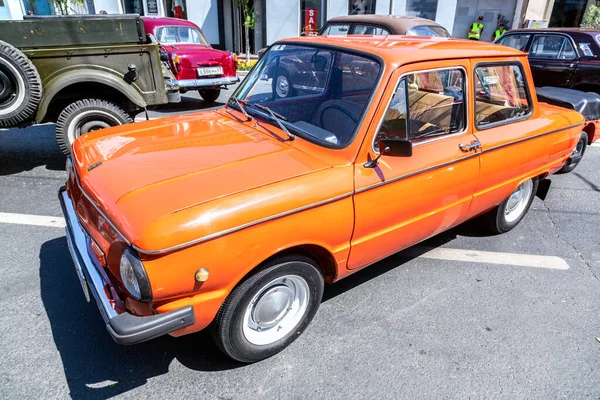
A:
[28, 219]
[595, 144]
[478, 256]
[488, 257]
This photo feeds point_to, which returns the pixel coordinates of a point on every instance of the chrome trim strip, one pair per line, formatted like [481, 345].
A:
[364, 189]
[421, 171]
[240, 227]
[193, 83]
[530, 138]
[442, 135]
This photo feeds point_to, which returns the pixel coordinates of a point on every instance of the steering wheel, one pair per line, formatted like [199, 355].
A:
[336, 107]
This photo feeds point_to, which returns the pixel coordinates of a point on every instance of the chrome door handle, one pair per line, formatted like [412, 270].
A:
[468, 147]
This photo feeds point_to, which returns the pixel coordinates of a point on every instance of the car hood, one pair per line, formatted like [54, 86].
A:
[142, 173]
[194, 55]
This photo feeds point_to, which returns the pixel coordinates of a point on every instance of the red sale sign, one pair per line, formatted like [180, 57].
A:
[310, 18]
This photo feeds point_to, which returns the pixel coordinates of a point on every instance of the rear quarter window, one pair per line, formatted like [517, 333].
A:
[501, 95]
[518, 42]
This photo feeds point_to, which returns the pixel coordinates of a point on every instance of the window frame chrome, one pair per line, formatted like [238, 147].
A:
[441, 136]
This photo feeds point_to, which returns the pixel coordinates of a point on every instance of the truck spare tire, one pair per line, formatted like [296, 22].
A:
[20, 87]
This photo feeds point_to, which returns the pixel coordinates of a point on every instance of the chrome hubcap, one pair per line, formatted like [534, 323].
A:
[276, 309]
[517, 202]
[282, 86]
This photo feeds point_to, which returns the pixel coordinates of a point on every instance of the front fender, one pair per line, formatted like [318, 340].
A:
[66, 77]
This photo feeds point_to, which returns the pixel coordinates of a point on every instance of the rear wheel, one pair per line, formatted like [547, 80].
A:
[577, 154]
[20, 87]
[84, 116]
[512, 210]
[269, 310]
[210, 95]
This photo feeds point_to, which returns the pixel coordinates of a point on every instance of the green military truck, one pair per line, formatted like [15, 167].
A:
[82, 72]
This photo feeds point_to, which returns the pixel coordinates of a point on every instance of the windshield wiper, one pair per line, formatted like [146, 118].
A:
[278, 118]
[240, 105]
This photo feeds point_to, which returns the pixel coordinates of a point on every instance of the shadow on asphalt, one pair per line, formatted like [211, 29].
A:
[22, 149]
[95, 367]
[187, 103]
[472, 228]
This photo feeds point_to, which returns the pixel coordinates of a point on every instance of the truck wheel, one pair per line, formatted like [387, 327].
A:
[269, 310]
[210, 95]
[512, 210]
[20, 87]
[577, 154]
[85, 116]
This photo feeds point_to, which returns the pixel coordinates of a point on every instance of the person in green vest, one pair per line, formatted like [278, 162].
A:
[476, 29]
[499, 32]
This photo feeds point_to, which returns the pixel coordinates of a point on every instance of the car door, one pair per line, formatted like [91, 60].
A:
[553, 60]
[513, 144]
[404, 200]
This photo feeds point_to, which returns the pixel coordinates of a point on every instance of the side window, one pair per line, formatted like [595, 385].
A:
[425, 31]
[515, 41]
[337, 29]
[567, 52]
[552, 47]
[369, 30]
[500, 94]
[436, 106]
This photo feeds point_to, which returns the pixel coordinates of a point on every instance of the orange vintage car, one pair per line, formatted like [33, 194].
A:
[236, 218]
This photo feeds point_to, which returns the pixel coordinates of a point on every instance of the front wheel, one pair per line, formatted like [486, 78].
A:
[577, 154]
[84, 116]
[512, 210]
[269, 310]
[210, 95]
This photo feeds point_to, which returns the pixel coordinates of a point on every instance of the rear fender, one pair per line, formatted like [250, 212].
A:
[66, 77]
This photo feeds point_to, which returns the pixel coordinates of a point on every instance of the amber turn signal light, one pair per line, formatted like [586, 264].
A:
[202, 275]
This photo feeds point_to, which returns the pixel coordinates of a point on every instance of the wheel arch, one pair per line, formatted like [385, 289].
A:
[83, 81]
[319, 254]
[590, 129]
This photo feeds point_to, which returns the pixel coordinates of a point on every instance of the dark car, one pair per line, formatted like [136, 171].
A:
[562, 57]
[383, 25]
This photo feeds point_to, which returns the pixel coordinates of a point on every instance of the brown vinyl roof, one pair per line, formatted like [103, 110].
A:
[398, 23]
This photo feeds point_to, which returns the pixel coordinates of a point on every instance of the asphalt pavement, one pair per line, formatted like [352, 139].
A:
[410, 327]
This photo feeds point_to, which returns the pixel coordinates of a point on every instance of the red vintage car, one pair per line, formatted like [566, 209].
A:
[195, 64]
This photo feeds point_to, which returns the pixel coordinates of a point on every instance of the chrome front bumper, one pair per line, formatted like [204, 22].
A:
[125, 328]
[201, 83]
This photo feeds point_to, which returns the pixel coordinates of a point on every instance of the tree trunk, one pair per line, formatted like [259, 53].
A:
[247, 33]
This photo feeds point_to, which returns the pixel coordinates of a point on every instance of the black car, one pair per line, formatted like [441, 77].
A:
[562, 57]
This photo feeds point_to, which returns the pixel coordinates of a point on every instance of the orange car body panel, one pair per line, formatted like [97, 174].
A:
[208, 190]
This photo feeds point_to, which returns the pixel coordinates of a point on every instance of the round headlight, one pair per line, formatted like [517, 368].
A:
[134, 276]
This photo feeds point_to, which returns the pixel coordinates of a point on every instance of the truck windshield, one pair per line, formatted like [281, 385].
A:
[321, 93]
[180, 35]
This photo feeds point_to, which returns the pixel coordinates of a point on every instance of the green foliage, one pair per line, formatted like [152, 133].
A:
[248, 13]
[63, 6]
[591, 18]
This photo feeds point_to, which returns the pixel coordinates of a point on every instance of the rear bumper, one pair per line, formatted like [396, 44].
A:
[190, 84]
[125, 328]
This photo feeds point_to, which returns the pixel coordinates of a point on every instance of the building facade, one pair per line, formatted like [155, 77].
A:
[222, 20]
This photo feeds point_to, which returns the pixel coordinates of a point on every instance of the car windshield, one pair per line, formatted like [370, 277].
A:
[181, 35]
[428, 30]
[320, 93]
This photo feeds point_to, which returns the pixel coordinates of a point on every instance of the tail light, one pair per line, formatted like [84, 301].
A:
[234, 60]
[176, 62]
